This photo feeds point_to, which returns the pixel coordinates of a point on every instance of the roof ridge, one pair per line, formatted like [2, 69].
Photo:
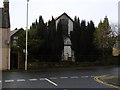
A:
[66, 15]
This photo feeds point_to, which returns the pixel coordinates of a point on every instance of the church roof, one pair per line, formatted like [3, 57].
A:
[65, 15]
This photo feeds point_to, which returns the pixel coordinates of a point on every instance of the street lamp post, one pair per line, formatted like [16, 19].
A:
[26, 51]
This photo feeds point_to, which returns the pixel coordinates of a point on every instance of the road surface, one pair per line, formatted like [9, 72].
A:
[66, 80]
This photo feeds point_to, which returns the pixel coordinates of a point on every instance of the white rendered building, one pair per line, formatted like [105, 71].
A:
[67, 23]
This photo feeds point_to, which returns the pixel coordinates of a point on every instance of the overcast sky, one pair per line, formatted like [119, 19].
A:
[94, 10]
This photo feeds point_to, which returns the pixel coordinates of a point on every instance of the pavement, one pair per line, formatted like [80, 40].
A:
[110, 80]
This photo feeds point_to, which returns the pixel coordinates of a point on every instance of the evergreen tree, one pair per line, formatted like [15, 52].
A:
[41, 28]
[59, 40]
[75, 37]
[102, 34]
[52, 36]
[103, 40]
[91, 50]
[56, 43]
[82, 39]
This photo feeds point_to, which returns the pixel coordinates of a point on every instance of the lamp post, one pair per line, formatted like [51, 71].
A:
[18, 61]
[26, 51]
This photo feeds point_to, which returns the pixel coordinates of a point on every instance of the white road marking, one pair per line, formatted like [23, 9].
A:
[92, 76]
[74, 77]
[9, 80]
[63, 77]
[32, 79]
[53, 77]
[42, 78]
[21, 80]
[51, 82]
[84, 76]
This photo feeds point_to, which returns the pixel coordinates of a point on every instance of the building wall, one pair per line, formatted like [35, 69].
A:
[67, 49]
[116, 49]
[70, 23]
[5, 48]
[70, 26]
[0, 57]
[0, 48]
[68, 53]
[115, 52]
[4, 36]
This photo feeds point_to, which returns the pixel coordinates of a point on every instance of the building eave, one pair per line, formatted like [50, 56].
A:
[66, 15]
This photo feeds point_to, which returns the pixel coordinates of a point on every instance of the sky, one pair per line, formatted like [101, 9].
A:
[94, 10]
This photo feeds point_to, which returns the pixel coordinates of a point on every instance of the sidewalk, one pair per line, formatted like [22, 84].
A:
[111, 80]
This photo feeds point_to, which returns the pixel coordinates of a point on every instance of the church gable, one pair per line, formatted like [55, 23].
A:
[67, 23]
[64, 16]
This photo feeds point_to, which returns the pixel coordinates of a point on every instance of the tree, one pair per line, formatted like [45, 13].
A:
[103, 39]
[37, 41]
[102, 34]
[82, 38]
[90, 48]
[75, 37]
[52, 35]
[59, 40]
[34, 44]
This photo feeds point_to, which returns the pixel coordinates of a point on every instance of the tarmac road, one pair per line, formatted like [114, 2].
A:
[71, 79]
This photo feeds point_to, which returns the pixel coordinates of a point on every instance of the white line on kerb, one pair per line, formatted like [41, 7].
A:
[9, 80]
[33, 79]
[51, 82]
[63, 77]
[74, 77]
[21, 80]
[0, 81]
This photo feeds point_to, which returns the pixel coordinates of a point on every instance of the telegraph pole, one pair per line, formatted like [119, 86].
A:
[26, 51]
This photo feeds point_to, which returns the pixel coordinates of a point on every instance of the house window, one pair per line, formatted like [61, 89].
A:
[14, 42]
[15, 37]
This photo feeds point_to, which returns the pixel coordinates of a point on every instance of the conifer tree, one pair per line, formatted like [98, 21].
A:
[103, 40]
